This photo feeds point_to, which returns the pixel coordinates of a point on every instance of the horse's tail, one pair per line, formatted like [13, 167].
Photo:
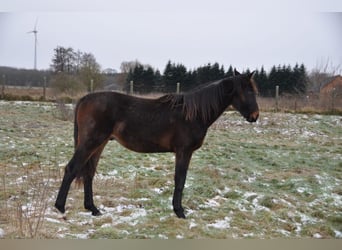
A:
[79, 179]
[76, 125]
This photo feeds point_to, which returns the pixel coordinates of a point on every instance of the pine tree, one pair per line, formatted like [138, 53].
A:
[302, 80]
[143, 78]
[262, 81]
[173, 74]
[230, 71]
[158, 82]
[273, 80]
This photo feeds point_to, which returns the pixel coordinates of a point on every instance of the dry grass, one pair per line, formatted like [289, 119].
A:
[36, 93]
[303, 104]
[313, 103]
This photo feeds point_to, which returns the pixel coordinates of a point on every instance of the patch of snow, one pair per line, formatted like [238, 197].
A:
[249, 194]
[301, 190]
[285, 202]
[153, 159]
[162, 236]
[248, 235]
[257, 207]
[283, 232]
[53, 220]
[113, 172]
[192, 224]
[158, 190]
[81, 236]
[298, 228]
[224, 191]
[221, 224]
[107, 209]
[132, 219]
[317, 236]
[106, 225]
[306, 133]
[305, 219]
[338, 234]
[21, 179]
[61, 229]
[258, 130]
[250, 179]
[84, 214]
[61, 165]
[188, 211]
[142, 199]
[2, 233]
[214, 202]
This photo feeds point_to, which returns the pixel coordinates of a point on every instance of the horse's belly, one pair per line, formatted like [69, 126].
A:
[148, 142]
[142, 146]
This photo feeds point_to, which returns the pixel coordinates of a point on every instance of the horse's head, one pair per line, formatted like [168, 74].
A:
[244, 99]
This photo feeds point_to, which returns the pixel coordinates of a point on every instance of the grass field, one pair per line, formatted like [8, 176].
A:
[278, 178]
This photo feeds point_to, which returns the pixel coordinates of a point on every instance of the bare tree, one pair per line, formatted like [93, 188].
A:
[323, 73]
[126, 66]
[64, 60]
[90, 70]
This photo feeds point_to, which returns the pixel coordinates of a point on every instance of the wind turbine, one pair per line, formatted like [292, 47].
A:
[35, 31]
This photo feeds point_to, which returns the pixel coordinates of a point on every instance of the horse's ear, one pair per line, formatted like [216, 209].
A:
[251, 75]
[236, 73]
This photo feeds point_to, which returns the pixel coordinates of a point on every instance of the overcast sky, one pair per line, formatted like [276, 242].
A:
[250, 34]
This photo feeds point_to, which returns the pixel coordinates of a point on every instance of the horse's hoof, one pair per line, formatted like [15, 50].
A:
[96, 213]
[60, 208]
[180, 213]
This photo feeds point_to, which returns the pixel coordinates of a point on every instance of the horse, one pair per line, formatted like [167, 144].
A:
[175, 123]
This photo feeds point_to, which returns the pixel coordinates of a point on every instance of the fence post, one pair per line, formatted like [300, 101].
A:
[277, 97]
[131, 87]
[3, 86]
[333, 100]
[91, 85]
[178, 87]
[44, 89]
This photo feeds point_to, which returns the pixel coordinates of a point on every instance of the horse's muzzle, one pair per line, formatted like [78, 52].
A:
[253, 117]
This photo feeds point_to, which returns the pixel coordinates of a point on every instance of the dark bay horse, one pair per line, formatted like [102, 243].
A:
[172, 123]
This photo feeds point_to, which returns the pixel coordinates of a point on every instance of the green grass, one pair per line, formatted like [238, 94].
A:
[278, 178]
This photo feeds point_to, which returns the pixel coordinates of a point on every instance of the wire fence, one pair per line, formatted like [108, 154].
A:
[311, 102]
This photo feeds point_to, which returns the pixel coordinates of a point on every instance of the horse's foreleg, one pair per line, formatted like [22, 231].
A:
[182, 164]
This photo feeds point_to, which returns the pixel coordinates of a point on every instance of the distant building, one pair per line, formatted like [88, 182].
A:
[333, 86]
[331, 93]
[109, 71]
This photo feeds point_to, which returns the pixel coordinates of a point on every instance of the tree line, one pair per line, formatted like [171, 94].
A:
[23, 77]
[291, 80]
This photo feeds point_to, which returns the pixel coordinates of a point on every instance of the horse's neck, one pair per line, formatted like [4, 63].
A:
[224, 103]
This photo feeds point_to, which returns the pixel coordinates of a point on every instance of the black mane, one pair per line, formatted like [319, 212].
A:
[203, 102]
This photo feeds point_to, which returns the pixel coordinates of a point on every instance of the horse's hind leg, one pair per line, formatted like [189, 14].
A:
[69, 176]
[76, 167]
[88, 176]
[88, 195]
